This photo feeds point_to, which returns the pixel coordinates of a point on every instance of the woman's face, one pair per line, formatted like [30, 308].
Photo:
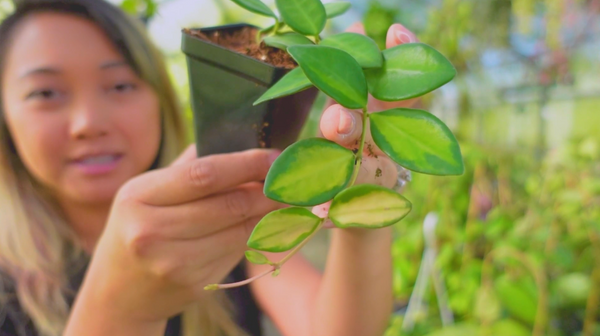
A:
[82, 121]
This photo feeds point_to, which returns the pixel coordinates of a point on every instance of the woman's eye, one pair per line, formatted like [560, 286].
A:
[124, 87]
[45, 94]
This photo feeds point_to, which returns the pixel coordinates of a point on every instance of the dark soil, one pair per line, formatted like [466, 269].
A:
[243, 41]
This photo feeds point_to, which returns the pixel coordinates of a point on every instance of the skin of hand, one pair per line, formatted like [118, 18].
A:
[353, 297]
[170, 233]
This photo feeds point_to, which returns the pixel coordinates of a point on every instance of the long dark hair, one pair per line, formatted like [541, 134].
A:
[36, 243]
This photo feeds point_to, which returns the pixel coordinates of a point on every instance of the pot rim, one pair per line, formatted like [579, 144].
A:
[222, 27]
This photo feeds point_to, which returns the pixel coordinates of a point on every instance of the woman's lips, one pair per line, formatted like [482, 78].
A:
[98, 164]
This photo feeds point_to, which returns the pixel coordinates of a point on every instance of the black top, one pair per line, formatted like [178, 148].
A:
[14, 322]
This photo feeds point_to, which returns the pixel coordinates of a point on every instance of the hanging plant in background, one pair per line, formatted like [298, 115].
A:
[346, 67]
[145, 9]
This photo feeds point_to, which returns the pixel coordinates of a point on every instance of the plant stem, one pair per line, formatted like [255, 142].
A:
[258, 37]
[240, 283]
[275, 267]
[317, 39]
[271, 30]
[361, 147]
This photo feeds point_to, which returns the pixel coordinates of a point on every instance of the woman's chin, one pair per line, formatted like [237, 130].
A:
[97, 194]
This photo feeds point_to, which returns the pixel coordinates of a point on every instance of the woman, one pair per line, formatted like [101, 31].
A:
[89, 129]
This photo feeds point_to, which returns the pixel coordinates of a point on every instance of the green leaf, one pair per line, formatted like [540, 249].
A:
[256, 258]
[377, 21]
[283, 41]
[409, 70]
[417, 140]
[509, 327]
[130, 6]
[256, 6]
[151, 8]
[307, 17]
[572, 290]
[294, 81]
[486, 306]
[333, 9]
[334, 72]
[282, 230]
[270, 28]
[309, 172]
[515, 299]
[368, 206]
[459, 329]
[364, 50]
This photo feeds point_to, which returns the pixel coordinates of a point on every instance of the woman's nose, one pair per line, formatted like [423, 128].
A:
[89, 120]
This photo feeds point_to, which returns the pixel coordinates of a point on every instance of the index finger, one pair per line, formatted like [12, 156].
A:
[188, 155]
[344, 127]
[192, 180]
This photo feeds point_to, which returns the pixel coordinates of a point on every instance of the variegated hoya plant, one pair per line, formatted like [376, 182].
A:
[346, 67]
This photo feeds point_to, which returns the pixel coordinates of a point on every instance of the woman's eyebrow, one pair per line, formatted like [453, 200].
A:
[41, 70]
[113, 64]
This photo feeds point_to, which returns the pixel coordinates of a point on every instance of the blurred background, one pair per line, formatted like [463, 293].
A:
[512, 247]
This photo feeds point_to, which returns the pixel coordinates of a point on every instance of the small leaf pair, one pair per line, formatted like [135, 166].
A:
[362, 48]
[314, 171]
[331, 70]
[363, 206]
[257, 258]
[307, 17]
[335, 67]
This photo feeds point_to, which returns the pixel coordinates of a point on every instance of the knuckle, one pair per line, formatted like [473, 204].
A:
[128, 193]
[168, 269]
[237, 203]
[139, 240]
[202, 174]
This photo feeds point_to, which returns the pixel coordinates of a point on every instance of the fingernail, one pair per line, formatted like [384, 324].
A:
[346, 124]
[404, 36]
[273, 156]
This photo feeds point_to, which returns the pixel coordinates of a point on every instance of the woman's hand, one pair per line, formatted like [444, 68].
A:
[175, 230]
[344, 126]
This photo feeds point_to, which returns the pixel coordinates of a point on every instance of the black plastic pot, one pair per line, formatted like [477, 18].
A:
[223, 86]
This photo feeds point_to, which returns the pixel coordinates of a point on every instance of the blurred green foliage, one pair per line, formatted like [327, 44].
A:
[145, 8]
[463, 29]
[518, 243]
[377, 20]
[6, 7]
